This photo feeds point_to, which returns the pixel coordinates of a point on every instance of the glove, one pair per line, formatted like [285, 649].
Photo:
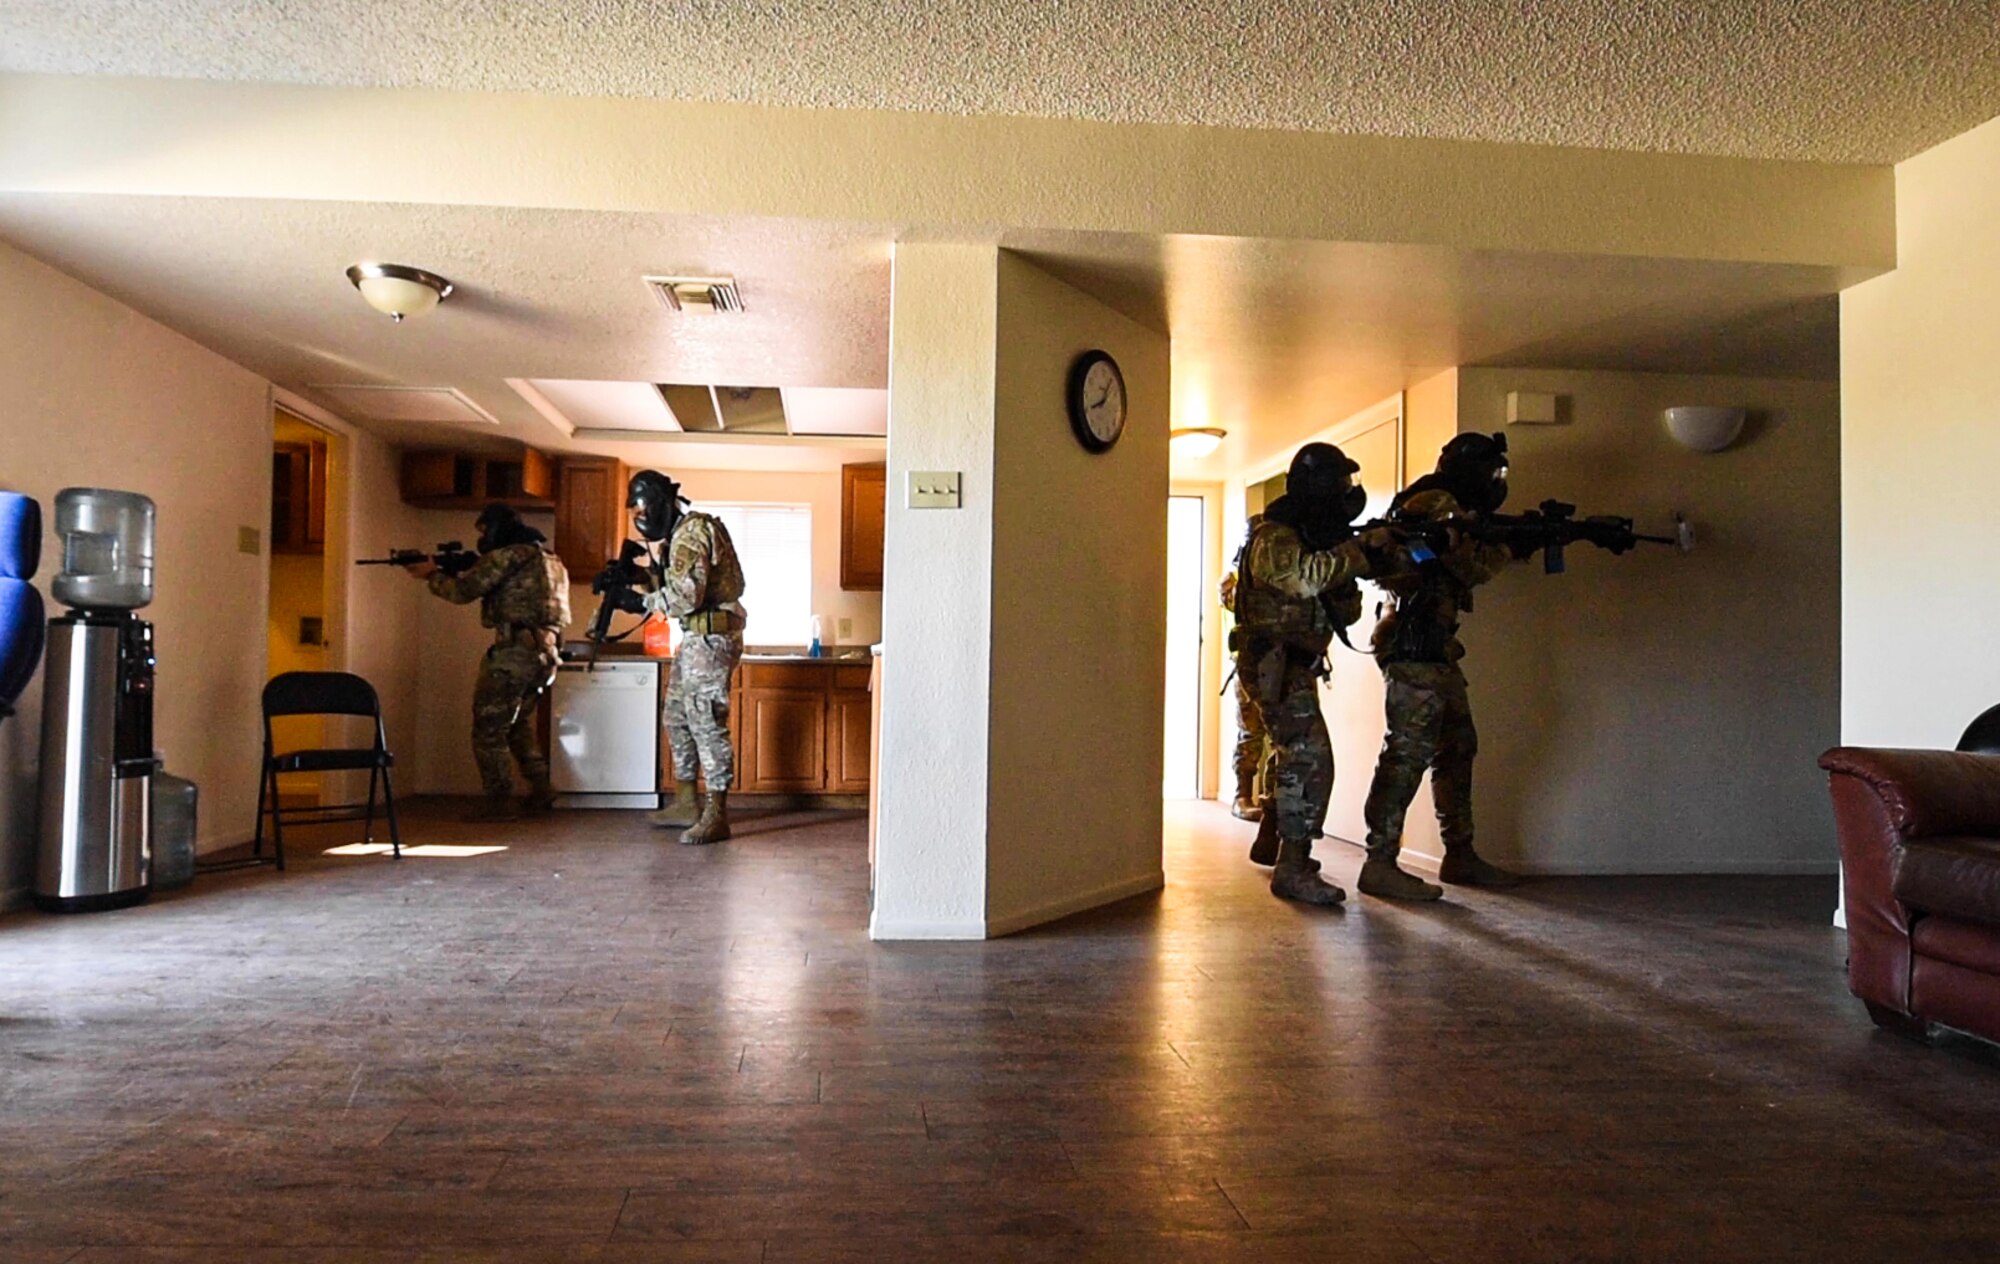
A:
[629, 600]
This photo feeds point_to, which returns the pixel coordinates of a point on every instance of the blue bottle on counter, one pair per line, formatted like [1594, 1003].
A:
[812, 651]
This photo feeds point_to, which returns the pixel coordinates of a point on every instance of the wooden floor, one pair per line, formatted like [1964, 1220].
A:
[594, 1046]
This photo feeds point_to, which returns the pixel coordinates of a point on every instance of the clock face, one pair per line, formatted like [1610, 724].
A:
[1097, 400]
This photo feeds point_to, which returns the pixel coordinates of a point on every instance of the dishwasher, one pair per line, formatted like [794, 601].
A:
[604, 751]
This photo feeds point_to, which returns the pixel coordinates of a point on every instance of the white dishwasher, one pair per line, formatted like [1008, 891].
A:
[605, 750]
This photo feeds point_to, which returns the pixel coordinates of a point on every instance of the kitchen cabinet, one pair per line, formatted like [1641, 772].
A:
[522, 478]
[864, 502]
[801, 729]
[590, 514]
[298, 498]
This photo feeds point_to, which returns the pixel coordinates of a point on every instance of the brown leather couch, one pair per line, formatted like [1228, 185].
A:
[1920, 854]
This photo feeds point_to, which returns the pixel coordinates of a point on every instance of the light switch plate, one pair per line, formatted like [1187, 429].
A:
[933, 489]
[1531, 408]
[249, 540]
[845, 630]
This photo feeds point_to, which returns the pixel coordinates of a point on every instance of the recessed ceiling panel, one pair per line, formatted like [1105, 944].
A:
[592, 405]
[405, 403]
[821, 410]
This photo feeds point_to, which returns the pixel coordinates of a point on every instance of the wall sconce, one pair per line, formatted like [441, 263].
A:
[1195, 442]
[1705, 429]
[397, 290]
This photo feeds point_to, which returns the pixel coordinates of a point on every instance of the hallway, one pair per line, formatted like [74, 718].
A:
[591, 1046]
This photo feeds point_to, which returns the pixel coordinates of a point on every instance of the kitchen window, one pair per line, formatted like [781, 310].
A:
[774, 545]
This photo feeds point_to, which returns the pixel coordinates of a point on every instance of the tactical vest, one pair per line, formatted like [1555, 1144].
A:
[1265, 614]
[533, 595]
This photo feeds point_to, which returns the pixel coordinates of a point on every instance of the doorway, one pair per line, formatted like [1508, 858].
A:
[298, 620]
[1187, 604]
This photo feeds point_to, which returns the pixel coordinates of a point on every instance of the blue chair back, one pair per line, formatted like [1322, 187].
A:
[22, 629]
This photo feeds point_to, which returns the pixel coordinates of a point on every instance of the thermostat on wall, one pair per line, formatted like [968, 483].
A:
[1530, 408]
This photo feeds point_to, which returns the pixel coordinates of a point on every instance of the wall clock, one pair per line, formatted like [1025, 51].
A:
[1096, 399]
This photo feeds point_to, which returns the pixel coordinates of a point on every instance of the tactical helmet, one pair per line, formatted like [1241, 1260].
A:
[500, 525]
[657, 500]
[1322, 474]
[1473, 467]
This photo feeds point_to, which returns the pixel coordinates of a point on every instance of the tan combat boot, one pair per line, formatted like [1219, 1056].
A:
[1246, 807]
[713, 824]
[1296, 877]
[1463, 867]
[680, 813]
[1383, 880]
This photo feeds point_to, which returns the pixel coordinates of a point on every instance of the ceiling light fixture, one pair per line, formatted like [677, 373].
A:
[1196, 442]
[397, 290]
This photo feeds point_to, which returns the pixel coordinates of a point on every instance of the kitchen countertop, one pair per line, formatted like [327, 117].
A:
[577, 651]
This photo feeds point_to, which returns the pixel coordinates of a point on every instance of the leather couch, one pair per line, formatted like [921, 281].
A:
[1920, 854]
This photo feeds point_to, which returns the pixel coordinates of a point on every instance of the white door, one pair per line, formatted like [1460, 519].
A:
[1186, 601]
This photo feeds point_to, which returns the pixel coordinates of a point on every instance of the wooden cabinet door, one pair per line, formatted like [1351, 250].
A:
[848, 721]
[864, 503]
[784, 742]
[590, 514]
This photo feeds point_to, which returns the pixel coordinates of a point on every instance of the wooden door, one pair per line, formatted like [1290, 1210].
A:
[864, 492]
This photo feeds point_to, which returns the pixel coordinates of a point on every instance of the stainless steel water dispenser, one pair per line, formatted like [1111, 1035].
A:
[97, 707]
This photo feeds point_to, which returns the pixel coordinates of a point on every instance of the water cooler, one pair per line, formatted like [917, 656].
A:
[97, 707]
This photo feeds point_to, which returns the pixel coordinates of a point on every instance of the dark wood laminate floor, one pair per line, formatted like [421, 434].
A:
[594, 1046]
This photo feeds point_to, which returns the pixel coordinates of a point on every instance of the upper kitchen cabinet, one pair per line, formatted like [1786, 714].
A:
[590, 513]
[474, 480]
[864, 500]
[298, 497]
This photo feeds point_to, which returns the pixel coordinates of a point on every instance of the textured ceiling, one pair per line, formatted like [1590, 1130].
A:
[1830, 80]
[1272, 340]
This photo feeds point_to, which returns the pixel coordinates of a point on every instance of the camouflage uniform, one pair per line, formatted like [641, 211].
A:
[701, 586]
[523, 595]
[1428, 711]
[1289, 603]
[1253, 750]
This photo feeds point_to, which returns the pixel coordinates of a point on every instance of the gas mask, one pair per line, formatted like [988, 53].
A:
[499, 526]
[1326, 498]
[1473, 467]
[655, 501]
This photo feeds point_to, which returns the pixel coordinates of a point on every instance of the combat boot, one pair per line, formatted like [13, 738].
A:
[1264, 848]
[492, 809]
[713, 824]
[1296, 877]
[1383, 880]
[1246, 807]
[681, 812]
[541, 794]
[1463, 867]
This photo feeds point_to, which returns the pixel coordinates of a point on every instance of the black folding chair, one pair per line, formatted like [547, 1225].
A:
[323, 693]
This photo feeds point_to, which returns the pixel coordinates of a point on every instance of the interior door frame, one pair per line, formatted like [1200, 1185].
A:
[1213, 503]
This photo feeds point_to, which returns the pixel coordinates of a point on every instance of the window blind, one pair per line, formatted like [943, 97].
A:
[774, 545]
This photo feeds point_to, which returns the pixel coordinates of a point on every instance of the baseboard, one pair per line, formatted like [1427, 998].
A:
[882, 928]
[1641, 868]
[1008, 923]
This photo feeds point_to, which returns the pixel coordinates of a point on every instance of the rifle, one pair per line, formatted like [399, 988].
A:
[621, 574]
[1551, 527]
[452, 557]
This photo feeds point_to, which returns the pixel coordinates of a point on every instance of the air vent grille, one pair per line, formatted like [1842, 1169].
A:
[696, 295]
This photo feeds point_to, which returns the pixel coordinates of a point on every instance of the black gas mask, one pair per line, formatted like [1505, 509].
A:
[655, 501]
[1321, 498]
[499, 526]
[1473, 468]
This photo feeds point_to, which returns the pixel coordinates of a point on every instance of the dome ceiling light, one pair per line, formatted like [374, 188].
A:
[1196, 442]
[398, 290]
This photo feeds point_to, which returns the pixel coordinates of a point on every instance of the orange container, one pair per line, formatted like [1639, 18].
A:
[659, 638]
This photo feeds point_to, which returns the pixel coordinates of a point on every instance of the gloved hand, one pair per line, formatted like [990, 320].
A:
[629, 600]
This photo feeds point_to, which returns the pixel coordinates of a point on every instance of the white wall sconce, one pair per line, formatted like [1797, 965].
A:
[1705, 429]
[1196, 442]
[397, 290]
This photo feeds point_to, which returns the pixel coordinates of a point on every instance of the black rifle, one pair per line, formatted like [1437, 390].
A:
[1549, 528]
[620, 575]
[451, 557]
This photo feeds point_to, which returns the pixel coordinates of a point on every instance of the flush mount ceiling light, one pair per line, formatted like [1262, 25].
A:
[1196, 442]
[397, 290]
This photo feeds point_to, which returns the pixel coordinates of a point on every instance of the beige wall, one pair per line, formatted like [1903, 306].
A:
[92, 393]
[1658, 712]
[449, 640]
[1920, 387]
[1079, 613]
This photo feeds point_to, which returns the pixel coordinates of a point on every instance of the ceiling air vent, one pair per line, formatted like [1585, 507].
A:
[698, 295]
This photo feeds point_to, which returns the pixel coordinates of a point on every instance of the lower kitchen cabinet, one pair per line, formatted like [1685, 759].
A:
[800, 728]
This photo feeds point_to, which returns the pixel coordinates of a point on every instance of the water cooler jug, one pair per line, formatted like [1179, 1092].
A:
[97, 707]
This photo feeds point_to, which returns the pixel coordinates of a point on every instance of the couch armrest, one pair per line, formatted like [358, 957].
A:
[1927, 792]
[1867, 803]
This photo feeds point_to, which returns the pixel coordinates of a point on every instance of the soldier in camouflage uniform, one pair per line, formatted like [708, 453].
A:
[523, 595]
[1428, 711]
[1253, 743]
[697, 580]
[1295, 588]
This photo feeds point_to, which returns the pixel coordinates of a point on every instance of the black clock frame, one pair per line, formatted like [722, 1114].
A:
[1079, 423]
